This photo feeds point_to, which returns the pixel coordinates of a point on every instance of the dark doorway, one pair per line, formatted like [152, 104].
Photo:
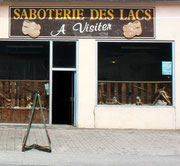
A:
[63, 97]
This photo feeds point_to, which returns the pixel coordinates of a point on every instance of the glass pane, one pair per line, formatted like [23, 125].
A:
[64, 54]
[135, 73]
[24, 71]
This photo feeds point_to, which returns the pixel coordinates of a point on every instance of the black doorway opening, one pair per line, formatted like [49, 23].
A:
[63, 97]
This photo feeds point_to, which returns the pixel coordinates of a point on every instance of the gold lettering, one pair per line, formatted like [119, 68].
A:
[17, 15]
[102, 14]
[32, 14]
[50, 13]
[110, 13]
[73, 14]
[122, 15]
[67, 13]
[24, 14]
[43, 12]
[137, 14]
[131, 15]
[96, 16]
[80, 14]
[58, 14]
[147, 13]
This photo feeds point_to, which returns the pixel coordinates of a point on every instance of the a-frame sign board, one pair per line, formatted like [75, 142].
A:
[35, 146]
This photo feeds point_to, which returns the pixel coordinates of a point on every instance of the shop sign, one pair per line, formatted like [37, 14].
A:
[52, 22]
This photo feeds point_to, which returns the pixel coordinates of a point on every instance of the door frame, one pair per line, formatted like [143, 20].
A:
[74, 70]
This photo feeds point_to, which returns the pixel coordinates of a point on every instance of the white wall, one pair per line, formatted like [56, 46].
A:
[4, 21]
[134, 118]
[86, 89]
[168, 27]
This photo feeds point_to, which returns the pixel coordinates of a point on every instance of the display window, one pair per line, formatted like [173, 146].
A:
[24, 71]
[135, 73]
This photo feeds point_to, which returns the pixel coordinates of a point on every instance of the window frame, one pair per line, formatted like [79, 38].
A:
[139, 41]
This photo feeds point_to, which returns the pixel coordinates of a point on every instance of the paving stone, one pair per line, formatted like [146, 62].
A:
[94, 141]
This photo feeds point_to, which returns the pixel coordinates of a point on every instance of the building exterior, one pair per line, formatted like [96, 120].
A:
[96, 64]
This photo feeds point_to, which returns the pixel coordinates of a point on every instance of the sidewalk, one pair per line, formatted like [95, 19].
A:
[72, 145]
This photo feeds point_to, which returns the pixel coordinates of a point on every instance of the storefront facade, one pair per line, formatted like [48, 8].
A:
[95, 64]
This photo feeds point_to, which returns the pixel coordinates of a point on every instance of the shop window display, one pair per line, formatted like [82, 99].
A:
[24, 70]
[135, 73]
